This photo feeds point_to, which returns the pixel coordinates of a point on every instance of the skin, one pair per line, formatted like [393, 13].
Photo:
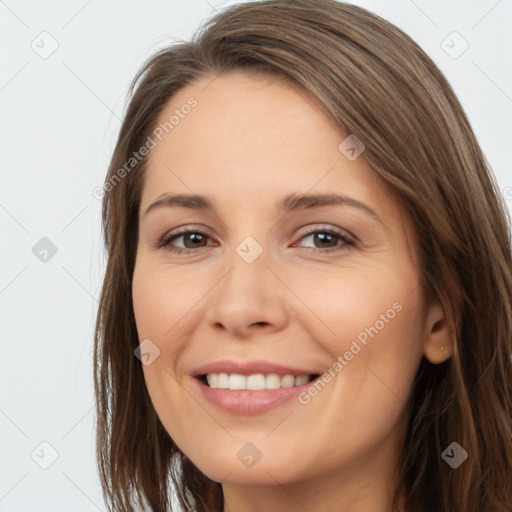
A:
[250, 141]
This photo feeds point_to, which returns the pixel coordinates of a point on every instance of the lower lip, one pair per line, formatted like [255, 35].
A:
[249, 403]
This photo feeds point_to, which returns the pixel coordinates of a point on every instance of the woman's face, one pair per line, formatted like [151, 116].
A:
[269, 289]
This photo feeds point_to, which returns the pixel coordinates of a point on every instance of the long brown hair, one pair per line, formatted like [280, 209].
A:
[380, 86]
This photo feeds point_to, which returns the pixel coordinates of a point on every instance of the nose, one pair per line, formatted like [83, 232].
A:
[249, 298]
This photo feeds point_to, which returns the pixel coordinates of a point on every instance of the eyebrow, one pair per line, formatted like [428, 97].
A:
[289, 203]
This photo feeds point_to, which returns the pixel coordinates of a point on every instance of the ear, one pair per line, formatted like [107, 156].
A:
[437, 345]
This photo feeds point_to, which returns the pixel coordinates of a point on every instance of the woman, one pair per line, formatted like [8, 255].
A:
[307, 302]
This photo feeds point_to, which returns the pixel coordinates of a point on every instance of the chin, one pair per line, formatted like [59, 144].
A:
[242, 466]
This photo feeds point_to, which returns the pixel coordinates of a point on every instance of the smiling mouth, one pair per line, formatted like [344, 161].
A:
[254, 382]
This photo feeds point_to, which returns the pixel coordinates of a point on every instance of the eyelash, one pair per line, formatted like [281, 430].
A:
[165, 242]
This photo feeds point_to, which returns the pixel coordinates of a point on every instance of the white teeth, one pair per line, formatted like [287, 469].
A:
[300, 381]
[272, 381]
[254, 382]
[288, 381]
[236, 381]
[223, 381]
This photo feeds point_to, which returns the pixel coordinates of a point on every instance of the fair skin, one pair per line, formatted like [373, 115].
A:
[249, 142]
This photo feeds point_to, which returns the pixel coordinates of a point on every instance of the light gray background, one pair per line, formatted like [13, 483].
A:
[59, 119]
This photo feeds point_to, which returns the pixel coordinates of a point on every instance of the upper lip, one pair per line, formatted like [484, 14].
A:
[249, 368]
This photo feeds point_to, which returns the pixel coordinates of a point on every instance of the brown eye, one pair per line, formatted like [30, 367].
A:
[191, 240]
[328, 240]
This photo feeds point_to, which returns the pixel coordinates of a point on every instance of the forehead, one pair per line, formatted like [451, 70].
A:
[238, 114]
[251, 129]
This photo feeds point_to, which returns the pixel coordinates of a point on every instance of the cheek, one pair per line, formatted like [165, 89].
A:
[378, 336]
[374, 323]
[161, 299]
[162, 304]
[351, 304]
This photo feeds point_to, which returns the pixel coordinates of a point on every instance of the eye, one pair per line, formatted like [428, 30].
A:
[193, 240]
[196, 239]
[328, 238]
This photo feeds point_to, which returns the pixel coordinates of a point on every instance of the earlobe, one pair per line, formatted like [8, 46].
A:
[437, 346]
